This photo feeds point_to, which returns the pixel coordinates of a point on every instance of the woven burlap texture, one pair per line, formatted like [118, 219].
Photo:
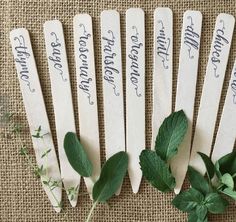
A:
[21, 194]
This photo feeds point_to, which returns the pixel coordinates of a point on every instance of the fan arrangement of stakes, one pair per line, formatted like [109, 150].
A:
[129, 137]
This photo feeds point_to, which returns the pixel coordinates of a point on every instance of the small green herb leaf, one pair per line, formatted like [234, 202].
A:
[201, 211]
[215, 203]
[188, 200]
[46, 153]
[156, 171]
[171, 134]
[112, 175]
[208, 164]
[23, 150]
[197, 181]
[76, 155]
[227, 164]
[229, 192]
[217, 169]
[192, 217]
[228, 180]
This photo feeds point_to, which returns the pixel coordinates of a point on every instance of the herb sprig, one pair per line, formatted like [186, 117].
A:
[207, 194]
[15, 129]
[155, 164]
[112, 172]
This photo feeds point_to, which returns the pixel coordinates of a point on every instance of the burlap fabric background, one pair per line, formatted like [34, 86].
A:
[21, 194]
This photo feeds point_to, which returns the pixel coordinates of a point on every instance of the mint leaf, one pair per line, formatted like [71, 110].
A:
[201, 212]
[171, 134]
[76, 155]
[188, 200]
[229, 192]
[197, 181]
[215, 203]
[227, 164]
[217, 169]
[112, 175]
[228, 180]
[156, 171]
[192, 217]
[208, 164]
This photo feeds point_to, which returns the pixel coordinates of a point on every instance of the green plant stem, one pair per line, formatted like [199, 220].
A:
[46, 156]
[91, 211]
[42, 177]
[55, 198]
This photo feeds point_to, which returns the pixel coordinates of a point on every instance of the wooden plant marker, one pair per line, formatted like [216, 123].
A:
[163, 67]
[36, 111]
[135, 92]
[186, 88]
[62, 98]
[87, 94]
[226, 133]
[112, 83]
[212, 88]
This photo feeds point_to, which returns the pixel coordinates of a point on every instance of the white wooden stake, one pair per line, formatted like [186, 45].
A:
[87, 94]
[226, 134]
[112, 83]
[186, 88]
[212, 87]
[62, 98]
[162, 72]
[36, 111]
[135, 92]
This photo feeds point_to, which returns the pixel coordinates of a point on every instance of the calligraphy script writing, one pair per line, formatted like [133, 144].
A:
[22, 56]
[191, 38]
[163, 44]
[55, 57]
[219, 42]
[86, 80]
[110, 71]
[134, 57]
[233, 86]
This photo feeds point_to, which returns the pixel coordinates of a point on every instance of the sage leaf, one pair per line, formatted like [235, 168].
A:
[227, 163]
[229, 192]
[112, 175]
[188, 200]
[76, 155]
[156, 171]
[215, 203]
[171, 134]
[197, 181]
[208, 164]
[228, 180]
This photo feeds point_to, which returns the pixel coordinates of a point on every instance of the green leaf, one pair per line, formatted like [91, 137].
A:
[112, 175]
[228, 180]
[217, 169]
[156, 171]
[188, 200]
[215, 203]
[46, 153]
[227, 164]
[201, 212]
[192, 217]
[76, 155]
[208, 164]
[197, 181]
[171, 134]
[229, 192]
